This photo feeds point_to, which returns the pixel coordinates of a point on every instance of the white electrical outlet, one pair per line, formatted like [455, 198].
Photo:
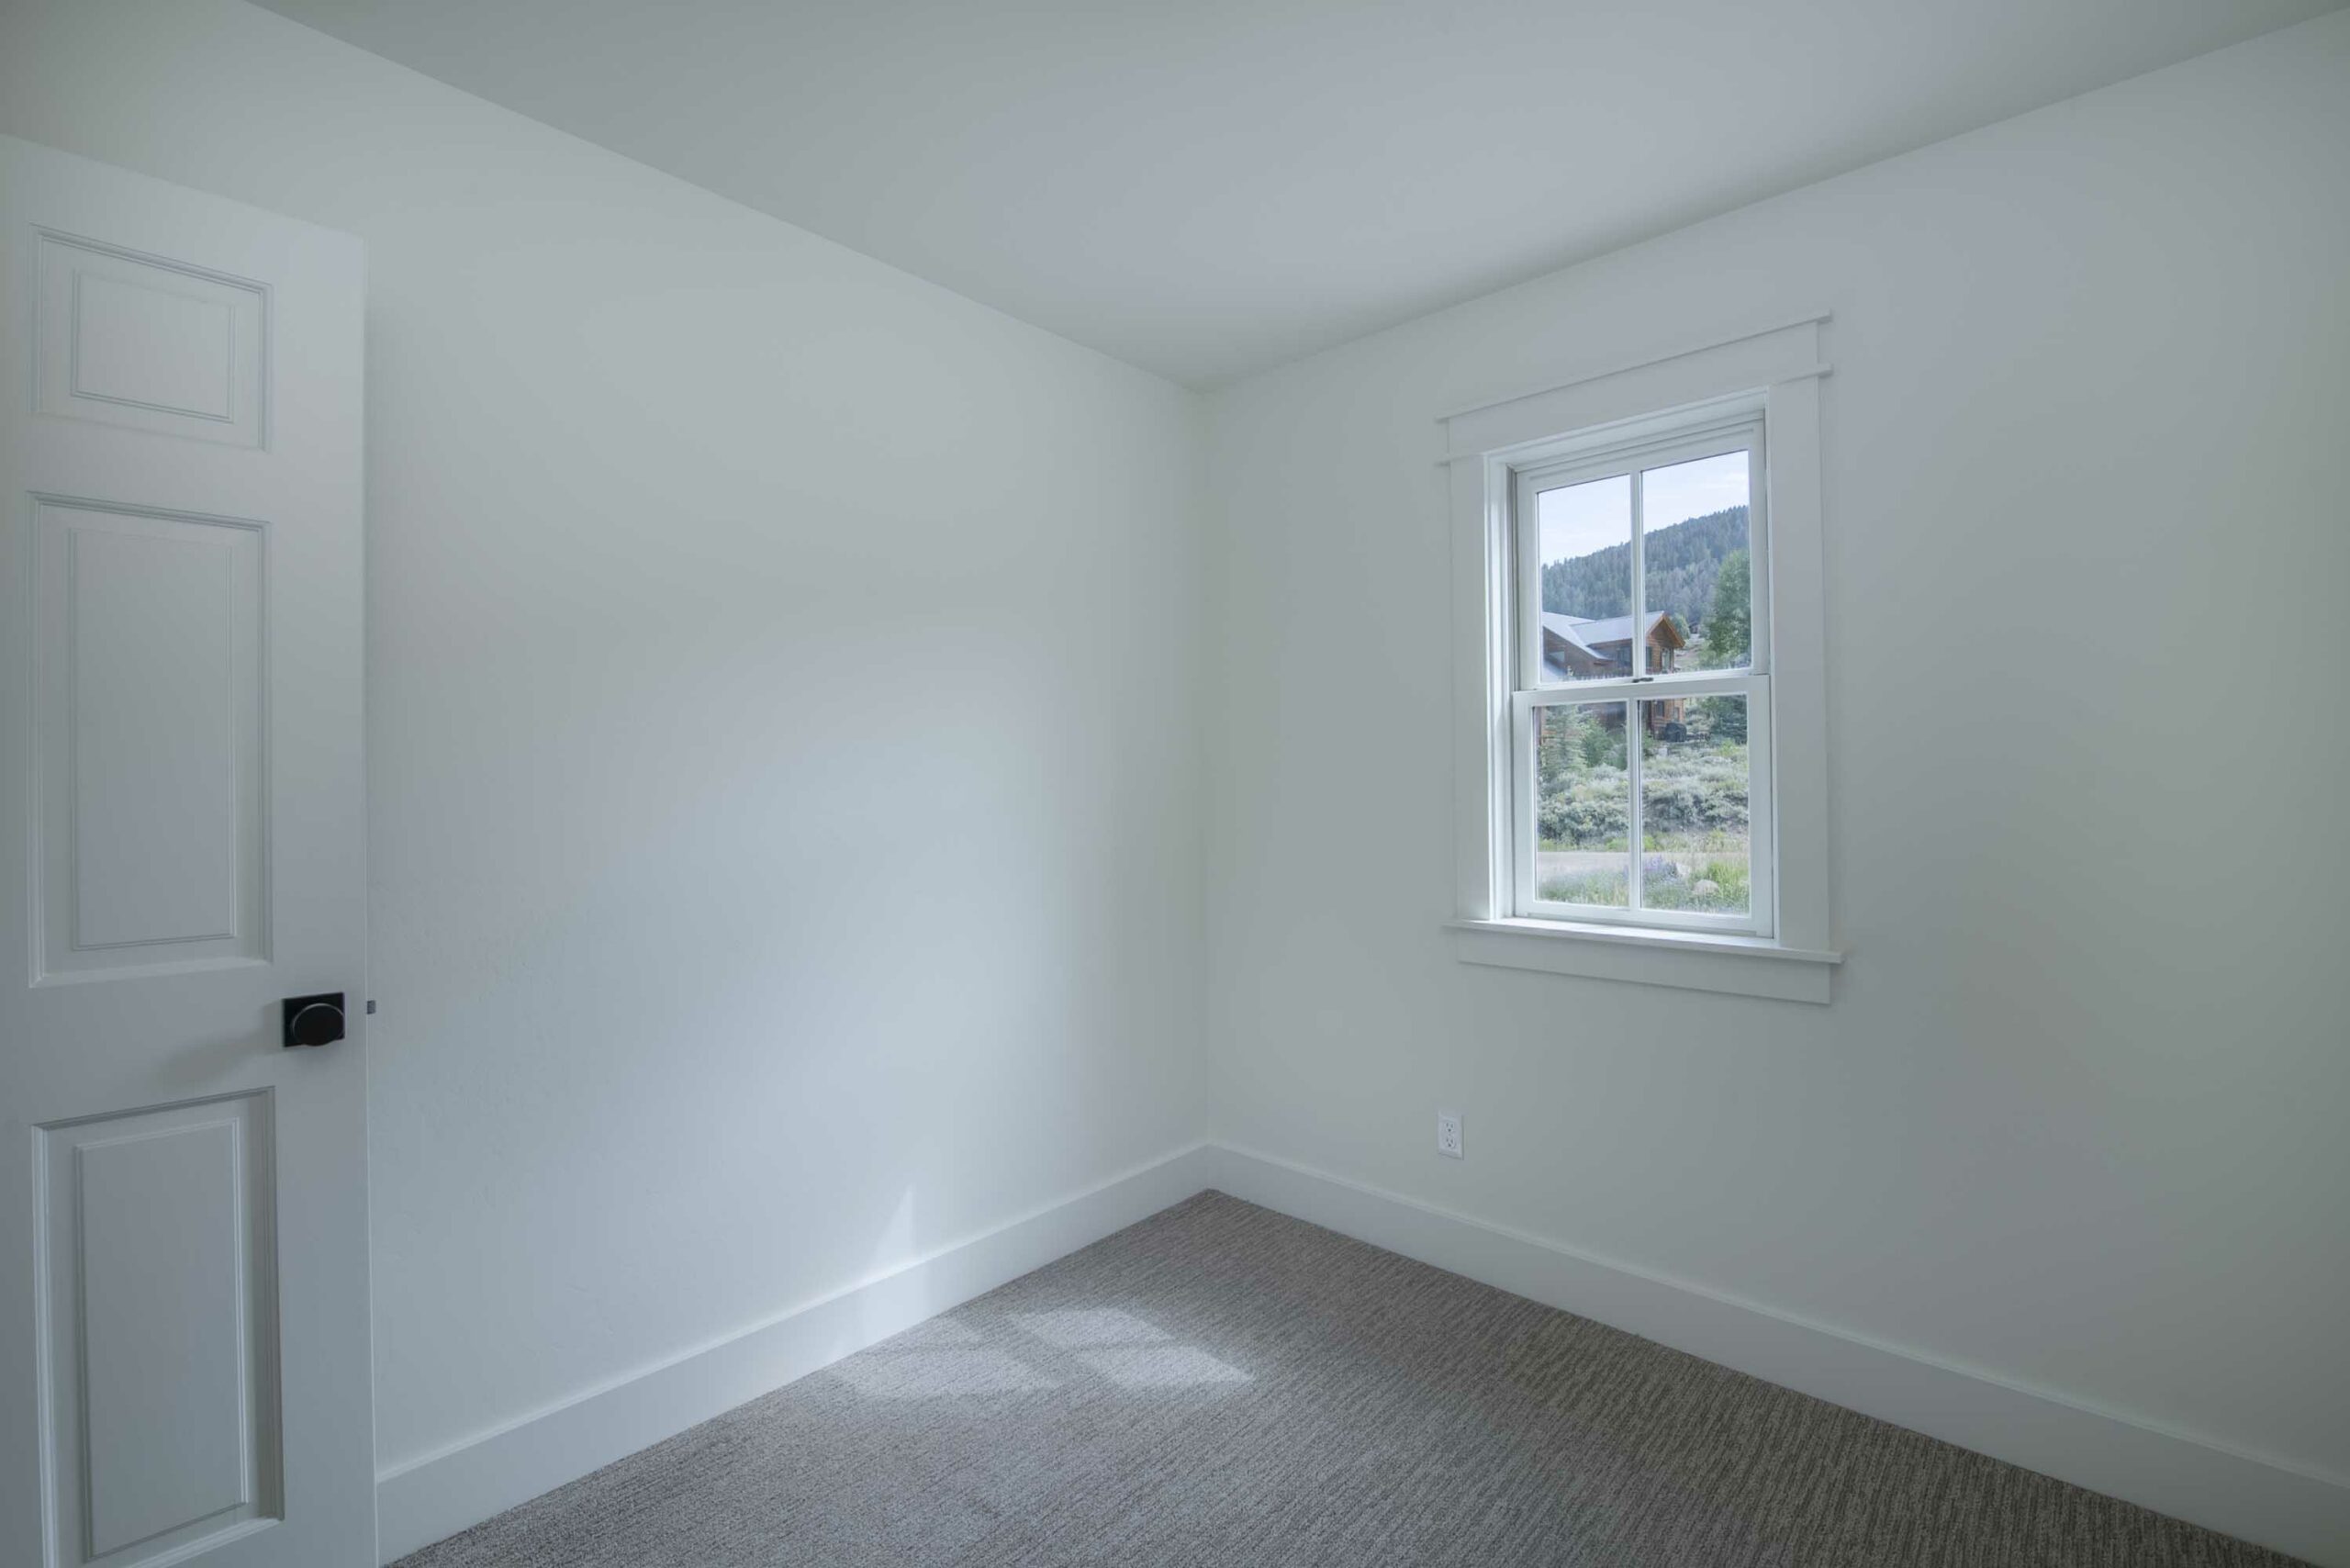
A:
[1448, 1134]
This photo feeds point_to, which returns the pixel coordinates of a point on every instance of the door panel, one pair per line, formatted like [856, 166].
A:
[184, 1339]
[149, 343]
[160, 1257]
[150, 755]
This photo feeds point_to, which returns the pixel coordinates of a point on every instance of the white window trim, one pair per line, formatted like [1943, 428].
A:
[1774, 373]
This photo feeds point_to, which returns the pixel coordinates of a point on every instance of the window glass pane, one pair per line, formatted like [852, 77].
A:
[1583, 816]
[1696, 556]
[1694, 782]
[1586, 580]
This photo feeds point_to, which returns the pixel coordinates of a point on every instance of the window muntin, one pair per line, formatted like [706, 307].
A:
[1641, 762]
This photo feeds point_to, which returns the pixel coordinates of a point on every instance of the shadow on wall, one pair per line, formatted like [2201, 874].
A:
[950, 1358]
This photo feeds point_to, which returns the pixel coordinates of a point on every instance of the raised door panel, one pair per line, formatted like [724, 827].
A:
[149, 344]
[151, 741]
[159, 1247]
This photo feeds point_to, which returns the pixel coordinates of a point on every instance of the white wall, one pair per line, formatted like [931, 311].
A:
[783, 730]
[2075, 1117]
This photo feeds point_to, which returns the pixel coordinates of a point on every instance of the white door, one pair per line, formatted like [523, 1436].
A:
[184, 1350]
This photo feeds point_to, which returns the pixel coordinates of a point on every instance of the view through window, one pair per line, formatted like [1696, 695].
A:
[1642, 689]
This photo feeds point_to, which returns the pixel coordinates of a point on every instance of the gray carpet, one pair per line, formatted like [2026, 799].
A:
[1221, 1385]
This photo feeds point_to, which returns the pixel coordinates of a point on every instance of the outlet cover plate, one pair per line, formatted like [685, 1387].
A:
[1448, 1134]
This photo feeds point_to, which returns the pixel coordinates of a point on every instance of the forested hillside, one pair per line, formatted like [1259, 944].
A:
[1684, 560]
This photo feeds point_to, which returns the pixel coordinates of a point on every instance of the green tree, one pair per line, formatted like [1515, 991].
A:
[1560, 752]
[1725, 717]
[1729, 622]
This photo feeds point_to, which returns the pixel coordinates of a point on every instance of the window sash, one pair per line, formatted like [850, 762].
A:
[1525, 716]
[1744, 433]
[1532, 693]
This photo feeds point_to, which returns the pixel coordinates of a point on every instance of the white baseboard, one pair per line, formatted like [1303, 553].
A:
[2257, 1499]
[425, 1499]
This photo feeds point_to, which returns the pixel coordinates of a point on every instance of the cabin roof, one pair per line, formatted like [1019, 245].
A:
[1591, 633]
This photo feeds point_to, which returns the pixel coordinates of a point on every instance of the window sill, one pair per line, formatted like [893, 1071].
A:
[1694, 961]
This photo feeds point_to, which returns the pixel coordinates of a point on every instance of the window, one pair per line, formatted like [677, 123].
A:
[1641, 673]
[1639, 724]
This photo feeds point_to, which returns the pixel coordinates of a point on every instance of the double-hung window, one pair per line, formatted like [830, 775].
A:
[1641, 672]
[1640, 720]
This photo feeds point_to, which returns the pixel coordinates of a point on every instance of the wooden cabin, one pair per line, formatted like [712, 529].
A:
[1580, 647]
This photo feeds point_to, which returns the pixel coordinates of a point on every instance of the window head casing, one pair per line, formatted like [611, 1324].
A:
[1639, 674]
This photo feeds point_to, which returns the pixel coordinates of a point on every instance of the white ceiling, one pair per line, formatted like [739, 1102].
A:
[1206, 187]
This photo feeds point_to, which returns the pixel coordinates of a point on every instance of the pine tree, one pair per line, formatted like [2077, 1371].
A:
[1560, 750]
[1729, 622]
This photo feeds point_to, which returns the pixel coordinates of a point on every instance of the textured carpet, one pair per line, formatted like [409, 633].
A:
[1221, 1385]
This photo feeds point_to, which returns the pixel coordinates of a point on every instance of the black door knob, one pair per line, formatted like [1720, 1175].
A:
[314, 1020]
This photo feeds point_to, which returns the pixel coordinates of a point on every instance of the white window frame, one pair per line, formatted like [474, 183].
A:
[1759, 390]
[1713, 432]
